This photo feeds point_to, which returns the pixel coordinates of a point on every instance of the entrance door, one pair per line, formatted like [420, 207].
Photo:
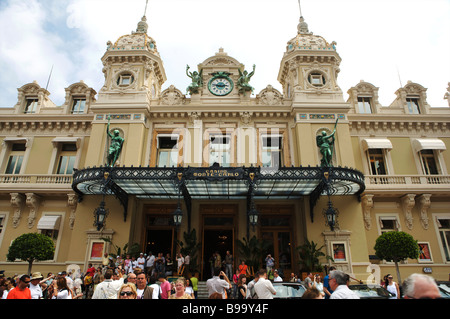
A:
[160, 233]
[280, 248]
[216, 241]
[218, 233]
[159, 241]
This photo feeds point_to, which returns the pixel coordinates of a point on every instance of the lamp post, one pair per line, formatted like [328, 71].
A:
[178, 213]
[101, 212]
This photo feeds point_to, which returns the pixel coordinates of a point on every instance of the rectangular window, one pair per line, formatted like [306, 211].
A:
[220, 150]
[31, 106]
[67, 158]
[15, 158]
[388, 224]
[2, 223]
[364, 105]
[78, 106]
[413, 105]
[272, 153]
[167, 151]
[377, 162]
[429, 163]
[444, 234]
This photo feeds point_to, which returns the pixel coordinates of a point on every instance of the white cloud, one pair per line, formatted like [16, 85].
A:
[374, 39]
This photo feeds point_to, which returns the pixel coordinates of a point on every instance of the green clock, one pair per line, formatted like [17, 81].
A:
[220, 84]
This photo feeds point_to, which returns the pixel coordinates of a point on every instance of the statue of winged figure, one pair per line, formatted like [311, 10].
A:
[197, 81]
[244, 79]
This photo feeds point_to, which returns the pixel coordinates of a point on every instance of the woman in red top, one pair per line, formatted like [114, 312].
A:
[243, 268]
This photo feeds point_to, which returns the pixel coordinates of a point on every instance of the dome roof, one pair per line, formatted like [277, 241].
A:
[306, 40]
[138, 40]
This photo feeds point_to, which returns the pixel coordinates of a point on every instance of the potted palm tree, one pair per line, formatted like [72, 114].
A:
[309, 258]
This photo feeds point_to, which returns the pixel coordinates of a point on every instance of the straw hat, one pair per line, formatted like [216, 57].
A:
[37, 275]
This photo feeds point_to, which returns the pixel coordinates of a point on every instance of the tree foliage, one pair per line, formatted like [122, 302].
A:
[190, 247]
[134, 250]
[396, 246]
[310, 254]
[253, 251]
[31, 247]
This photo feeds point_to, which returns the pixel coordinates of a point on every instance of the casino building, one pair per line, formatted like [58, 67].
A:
[223, 162]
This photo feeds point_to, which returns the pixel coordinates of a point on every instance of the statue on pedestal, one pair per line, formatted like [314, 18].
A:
[115, 147]
[326, 143]
[244, 79]
[197, 81]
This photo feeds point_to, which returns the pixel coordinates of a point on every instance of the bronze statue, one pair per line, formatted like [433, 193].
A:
[197, 81]
[115, 146]
[244, 79]
[326, 144]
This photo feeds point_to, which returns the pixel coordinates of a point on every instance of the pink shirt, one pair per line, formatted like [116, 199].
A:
[165, 288]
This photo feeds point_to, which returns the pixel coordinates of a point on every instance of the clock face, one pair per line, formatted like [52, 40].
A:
[220, 86]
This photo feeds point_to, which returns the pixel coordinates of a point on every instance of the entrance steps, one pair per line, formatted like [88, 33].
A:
[202, 292]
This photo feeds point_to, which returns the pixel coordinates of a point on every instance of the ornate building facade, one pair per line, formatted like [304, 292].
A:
[231, 162]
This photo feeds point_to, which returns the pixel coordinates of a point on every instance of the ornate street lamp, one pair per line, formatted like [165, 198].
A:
[177, 215]
[253, 215]
[330, 215]
[100, 214]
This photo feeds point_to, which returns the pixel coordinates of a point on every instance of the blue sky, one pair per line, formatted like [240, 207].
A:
[384, 42]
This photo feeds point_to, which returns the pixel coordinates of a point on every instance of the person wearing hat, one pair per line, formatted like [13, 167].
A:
[35, 287]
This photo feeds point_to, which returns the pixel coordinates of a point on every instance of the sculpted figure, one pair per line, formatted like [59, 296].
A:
[326, 143]
[197, 82]
[244, 79]
[115, 148]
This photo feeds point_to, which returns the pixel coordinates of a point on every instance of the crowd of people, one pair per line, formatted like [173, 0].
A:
[146, 277]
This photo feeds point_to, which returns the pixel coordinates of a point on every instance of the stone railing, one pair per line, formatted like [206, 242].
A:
[32, 181]
[407, 180]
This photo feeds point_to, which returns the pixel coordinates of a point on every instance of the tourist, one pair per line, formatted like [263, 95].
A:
[392, 286]
[264, 288]
[216, 284]
[108, 288]
[419, 286]
[165, 286]
[62, 290]
[127, 291]
[242, 287]
[180, 290]
[339, 284]
[21, 291]
[142, 290]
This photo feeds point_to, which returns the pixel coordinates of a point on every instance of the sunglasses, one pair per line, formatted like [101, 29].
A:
[128, 293]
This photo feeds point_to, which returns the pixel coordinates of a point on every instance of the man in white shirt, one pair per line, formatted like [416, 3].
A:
[276, 277]
[108, 288]
[141, 261]
[35, 288]
[338, 283]
[264, 288]
[150, 263]
[215, 284]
